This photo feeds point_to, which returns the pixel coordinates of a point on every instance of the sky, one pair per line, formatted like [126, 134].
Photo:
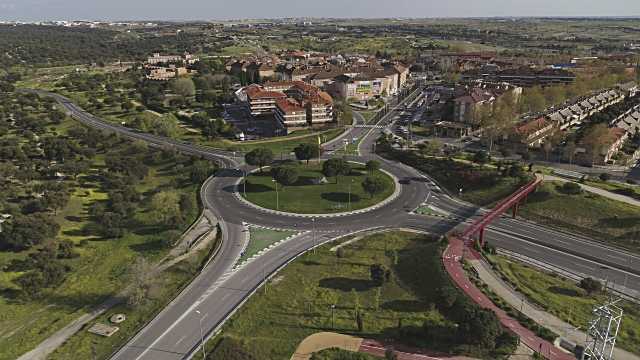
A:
[34, 10]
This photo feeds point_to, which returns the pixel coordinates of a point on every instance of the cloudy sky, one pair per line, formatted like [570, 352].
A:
[29, 10]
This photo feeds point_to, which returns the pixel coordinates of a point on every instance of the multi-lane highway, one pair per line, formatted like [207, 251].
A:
[212, 296]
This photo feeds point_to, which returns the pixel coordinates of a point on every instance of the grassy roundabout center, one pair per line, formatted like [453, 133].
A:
[308, 195]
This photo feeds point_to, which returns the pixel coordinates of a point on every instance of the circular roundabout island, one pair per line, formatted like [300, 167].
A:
[330, 187]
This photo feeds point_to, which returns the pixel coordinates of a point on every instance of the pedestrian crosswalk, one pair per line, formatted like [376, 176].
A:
[369, 126]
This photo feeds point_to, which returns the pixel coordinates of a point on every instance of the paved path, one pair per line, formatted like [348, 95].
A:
[517, 301]
[325, 340]
[592, 189]
[451, 258]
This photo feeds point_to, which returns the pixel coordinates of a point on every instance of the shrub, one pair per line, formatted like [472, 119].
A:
[571, 188]
[591, 285]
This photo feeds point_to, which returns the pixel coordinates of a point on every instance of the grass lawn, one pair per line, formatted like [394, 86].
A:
[616, 188]
[83, 344]
[260, 238]
[307, 198]
[566, 300]
[608, 220]
[368, 115]
[481, 185]
[298, 300]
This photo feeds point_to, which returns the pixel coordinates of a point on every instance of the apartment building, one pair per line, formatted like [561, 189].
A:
[259, 100]
[294, 104]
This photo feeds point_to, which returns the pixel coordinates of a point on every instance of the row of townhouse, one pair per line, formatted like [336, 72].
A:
[629, 120]
[574, 113]
[533, 132]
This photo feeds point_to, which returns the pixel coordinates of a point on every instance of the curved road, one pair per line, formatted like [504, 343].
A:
[219, 290]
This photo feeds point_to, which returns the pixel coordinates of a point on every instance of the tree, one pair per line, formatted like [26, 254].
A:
[373, 185]
[307, 152]
[571, 188]
[596, 139]
[547, 147]
[570, 150]
[200, 171]
[127, 105]
[481, 327]
[379, 274]
[285, 175]
[140, 280]
[533, 100]
[260, 157]
[591, 286]
[23, 232]
[372, 166]
[389, 354]
[605, 177]
[183, 87]
[56, 199]
[481, 157]
[113, 225]
[165, 206]
[335, 167]
[32, 283]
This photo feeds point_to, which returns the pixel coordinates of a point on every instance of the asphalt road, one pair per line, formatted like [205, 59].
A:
[175, 332]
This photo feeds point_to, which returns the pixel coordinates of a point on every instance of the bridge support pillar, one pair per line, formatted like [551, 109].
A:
[481, 237]
[516, 206]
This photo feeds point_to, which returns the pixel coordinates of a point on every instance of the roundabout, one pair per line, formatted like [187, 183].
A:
[308, 192]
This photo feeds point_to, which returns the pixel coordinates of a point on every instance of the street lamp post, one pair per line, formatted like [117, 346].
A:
[351, 182]
[333, 325]
[313, 233]
[204, 355]
[277, 196]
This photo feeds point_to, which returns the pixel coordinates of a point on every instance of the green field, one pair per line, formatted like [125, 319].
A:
[607, 220]
[567, 301]
[307, 198]
[481, 184]
[297, 302]
[260, 238]
[102, 266]
[84, 345]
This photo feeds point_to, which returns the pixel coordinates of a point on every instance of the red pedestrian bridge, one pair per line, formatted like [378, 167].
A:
[513, 202]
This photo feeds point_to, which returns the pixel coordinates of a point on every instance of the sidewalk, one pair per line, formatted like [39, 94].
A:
[325, 340]
[519, 302]
[595, 190]
[451, 259]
